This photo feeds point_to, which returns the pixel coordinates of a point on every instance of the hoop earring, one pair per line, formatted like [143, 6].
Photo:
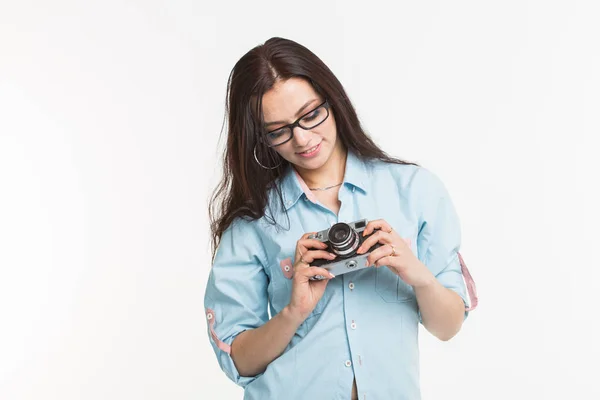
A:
[258, 162]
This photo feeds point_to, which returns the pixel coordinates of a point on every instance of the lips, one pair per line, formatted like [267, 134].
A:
[309, 150]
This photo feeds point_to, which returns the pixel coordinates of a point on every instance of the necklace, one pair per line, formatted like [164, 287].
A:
[327, 187]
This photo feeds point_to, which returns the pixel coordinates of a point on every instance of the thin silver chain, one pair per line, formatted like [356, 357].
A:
[327, 187]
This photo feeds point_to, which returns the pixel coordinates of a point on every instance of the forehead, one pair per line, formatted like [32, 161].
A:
[286, 97]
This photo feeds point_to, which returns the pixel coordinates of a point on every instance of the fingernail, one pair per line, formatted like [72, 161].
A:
[331, 255]
[332, 275]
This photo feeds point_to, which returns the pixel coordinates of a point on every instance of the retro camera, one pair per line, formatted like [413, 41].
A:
[343, 239]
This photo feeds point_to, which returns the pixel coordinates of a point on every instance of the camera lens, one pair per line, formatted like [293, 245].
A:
[344, 240]
[341, 234]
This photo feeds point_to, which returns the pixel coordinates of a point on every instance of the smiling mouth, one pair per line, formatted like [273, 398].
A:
[310, 150]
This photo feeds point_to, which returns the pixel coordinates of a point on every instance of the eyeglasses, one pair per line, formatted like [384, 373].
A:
[310, 120]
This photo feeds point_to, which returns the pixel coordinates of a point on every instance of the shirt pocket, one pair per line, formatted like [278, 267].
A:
[391, 287]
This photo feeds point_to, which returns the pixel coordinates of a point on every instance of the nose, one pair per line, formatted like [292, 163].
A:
[301, 137]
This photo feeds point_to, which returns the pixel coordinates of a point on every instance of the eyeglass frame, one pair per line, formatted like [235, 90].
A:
[297, 123]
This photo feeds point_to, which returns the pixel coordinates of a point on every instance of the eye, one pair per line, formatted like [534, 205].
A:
[276, 134]
[312, 116]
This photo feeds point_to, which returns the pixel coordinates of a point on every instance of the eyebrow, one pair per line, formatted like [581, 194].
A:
[298, 113]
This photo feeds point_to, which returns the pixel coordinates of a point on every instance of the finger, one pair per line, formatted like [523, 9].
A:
[385, 261]
[312, 244]
[314, 271]
[378, 254]
[303, 245]
[380, 236]
[307, 234]
[312, 255]
[380, 224]
[300, 252]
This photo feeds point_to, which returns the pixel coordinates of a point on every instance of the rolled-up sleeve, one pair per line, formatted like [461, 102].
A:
[236, 293]
[439, 237]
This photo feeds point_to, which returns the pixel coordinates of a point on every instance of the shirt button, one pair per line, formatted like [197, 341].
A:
[348, 363]
[351, 285]
[353, 325]
[353, 189]
[287, 268]
[209, 316]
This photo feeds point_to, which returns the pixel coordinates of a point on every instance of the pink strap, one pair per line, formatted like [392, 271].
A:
[470, 284]
[287, 268]
[210, 316]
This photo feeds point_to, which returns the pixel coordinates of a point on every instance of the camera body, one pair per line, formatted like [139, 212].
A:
[343, 239]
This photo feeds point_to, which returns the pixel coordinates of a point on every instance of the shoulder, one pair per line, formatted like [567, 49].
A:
[413, 180]
[242, 239]
[242, 227]
[254, 231]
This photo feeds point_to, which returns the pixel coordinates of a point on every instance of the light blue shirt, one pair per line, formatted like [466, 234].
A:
[366, 323]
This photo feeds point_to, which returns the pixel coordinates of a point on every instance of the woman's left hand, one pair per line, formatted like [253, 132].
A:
[395, 254]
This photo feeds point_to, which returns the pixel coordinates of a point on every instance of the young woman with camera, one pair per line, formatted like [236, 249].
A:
[297, 162]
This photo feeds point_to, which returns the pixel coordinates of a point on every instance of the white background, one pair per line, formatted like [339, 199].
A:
[110, 114]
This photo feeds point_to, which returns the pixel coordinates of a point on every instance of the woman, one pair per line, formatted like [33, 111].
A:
[297, 162]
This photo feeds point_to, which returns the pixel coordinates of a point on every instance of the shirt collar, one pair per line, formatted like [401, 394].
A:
[356, 172]
[293, 186]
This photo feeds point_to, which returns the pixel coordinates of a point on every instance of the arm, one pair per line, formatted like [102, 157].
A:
[442, 298]
[236, 299]
[442, 310]
[245, 341]
[253, 350]
[435, 274]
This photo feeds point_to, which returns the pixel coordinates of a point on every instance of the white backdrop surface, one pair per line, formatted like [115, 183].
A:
[110, 115]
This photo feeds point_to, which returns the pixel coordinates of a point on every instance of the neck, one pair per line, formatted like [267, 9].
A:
[331, 173]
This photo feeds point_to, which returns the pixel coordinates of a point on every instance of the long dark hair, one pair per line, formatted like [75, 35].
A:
[244, 189]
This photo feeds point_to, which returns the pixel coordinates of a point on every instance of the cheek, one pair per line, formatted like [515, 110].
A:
[331, 123]
[327, 131]
[285, 151]
[331, 129]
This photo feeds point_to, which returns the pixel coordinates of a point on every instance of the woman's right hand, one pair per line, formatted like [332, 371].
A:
[306, 293]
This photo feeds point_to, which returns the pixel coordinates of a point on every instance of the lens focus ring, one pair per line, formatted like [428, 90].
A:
[344, 240]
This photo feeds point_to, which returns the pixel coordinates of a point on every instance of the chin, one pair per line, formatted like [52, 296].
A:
[315, 163]
[311, 166]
